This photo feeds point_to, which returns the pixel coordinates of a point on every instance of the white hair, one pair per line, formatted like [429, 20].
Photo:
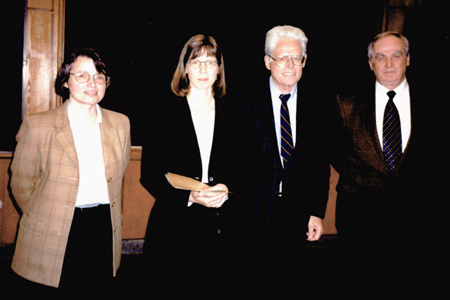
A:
[281, 32]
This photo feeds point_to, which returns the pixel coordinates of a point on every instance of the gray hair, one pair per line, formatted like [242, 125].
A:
[404, 40]
[280, 32]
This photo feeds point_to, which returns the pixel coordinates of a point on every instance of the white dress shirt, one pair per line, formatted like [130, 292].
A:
[204, 130]
[403, 103]
[292, 107]
[92, 188]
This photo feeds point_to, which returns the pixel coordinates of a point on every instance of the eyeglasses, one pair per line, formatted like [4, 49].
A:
[281, 61]
[85, 77]
[208, 63]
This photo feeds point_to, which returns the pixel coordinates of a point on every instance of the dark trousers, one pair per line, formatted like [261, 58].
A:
[389, 246]
[88, 264]
[272, 267]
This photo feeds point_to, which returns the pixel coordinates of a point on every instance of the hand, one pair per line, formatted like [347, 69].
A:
[210, 197]
[315, 229]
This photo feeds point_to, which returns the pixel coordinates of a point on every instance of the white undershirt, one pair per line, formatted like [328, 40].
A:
[92, 188]
[402, 102]
[204, 129]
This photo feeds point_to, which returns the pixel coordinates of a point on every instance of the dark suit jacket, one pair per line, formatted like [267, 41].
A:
[306, 176]
[370, 197]
[171, 146]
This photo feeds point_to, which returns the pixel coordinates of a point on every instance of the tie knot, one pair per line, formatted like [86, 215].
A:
[285, 97]
[391, 94]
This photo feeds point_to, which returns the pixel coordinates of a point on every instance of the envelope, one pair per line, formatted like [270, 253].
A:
[185, 183]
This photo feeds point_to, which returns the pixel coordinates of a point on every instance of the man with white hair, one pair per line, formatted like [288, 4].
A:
[288, 175]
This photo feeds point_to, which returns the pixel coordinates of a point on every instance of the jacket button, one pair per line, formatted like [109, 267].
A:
[211, 178]
[109, 179]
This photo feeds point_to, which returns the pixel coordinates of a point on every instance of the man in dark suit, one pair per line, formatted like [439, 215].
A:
[288, 177]
[388, 189]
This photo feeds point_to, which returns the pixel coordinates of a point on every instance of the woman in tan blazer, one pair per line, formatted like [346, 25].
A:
[67, 176]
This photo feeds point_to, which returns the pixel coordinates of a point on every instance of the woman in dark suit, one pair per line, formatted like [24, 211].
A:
[189, 233]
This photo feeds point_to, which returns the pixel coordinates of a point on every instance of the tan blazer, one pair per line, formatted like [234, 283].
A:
[45, 181]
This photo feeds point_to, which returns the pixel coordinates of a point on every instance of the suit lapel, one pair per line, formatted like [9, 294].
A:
[64, 134]
[301, 120]
[108, 137]
[414, 112]
[188, 137]
[268, 123]
[65, 137]
[370, 130]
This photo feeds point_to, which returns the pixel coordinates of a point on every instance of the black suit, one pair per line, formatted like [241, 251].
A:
[383, 218]
[368, 193]
[305, 179]
[277, 225]
[179, 236]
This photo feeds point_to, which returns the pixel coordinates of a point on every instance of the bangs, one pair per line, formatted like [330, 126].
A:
[201, 46]
[210, 50]
[197, 46]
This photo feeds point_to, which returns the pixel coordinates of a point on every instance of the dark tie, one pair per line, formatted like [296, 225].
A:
[286, 134]
[392, 134]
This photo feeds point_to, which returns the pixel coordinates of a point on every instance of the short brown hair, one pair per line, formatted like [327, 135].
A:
[64, 70]
[195, 47]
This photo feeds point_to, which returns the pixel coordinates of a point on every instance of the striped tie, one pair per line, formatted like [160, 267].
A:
[286, 135]
[392, 134]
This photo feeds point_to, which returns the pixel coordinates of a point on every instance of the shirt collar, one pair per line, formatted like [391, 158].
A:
[381, 90]
[275, 92]
[74, 121]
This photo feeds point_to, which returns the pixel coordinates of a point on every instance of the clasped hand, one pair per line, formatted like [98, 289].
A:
[214, 196]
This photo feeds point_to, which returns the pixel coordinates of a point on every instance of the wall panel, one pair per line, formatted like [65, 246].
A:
[137, 202]
[43, 54]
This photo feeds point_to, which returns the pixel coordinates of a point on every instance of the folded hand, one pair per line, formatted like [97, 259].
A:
[214, 196]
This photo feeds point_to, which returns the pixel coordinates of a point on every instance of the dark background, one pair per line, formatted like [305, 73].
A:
[141, 42]
[11, 55]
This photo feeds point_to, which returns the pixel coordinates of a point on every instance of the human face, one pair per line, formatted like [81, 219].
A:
[389, 62]
[203, 76]
[89, 93]
[285, 78]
